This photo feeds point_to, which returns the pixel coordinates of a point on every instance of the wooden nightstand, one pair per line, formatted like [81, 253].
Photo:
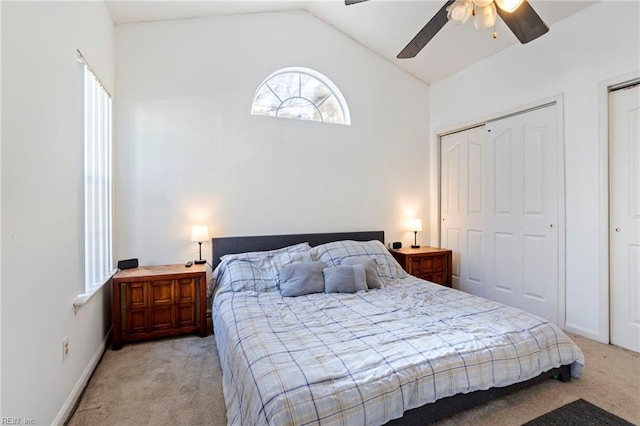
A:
[156, 301]
[429, 263]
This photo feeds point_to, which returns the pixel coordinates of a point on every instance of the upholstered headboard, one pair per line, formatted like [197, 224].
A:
[232, 245]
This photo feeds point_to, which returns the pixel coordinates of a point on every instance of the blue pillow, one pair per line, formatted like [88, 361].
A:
[344, 279]
[300, 278]
[370, 269]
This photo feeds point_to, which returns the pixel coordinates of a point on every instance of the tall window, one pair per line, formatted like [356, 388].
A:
[95, 133]
[301, 93]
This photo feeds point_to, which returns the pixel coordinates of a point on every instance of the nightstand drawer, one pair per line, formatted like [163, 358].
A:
[136, 295]
[422, 265]
[436, 277]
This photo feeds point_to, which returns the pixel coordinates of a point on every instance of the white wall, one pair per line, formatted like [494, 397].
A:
[40, 208]
[188, 151]
[0, 215]
[577, 54]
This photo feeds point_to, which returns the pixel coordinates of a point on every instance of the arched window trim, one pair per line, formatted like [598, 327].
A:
[316, 75]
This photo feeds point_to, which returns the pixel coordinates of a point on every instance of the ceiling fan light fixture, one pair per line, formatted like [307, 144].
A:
[526, 24]
[508, 5]
[482, 3]
[460, 11]
[485, 17]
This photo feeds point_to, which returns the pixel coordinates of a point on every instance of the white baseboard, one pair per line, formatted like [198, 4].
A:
[76, 393]
[584, 332]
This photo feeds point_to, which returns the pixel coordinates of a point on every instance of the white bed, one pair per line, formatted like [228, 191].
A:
[365, 357]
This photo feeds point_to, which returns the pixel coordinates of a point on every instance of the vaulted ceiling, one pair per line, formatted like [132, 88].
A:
[383, 26]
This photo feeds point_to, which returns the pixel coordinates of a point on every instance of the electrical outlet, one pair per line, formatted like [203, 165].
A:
[65, 348]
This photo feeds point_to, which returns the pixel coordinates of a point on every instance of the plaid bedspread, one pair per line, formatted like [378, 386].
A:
[365, 358]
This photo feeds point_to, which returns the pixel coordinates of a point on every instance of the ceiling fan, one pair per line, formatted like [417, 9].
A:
[519, 16]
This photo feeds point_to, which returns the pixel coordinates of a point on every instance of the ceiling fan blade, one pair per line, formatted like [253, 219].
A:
[525, 23]
[350, 2]
[426, 33]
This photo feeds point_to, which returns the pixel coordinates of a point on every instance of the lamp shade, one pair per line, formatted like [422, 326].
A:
[200, 233]
[414, 225]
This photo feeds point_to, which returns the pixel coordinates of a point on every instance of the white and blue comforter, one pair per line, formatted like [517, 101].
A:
[366, 357]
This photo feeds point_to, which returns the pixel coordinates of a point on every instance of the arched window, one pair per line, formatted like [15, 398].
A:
[301, 93]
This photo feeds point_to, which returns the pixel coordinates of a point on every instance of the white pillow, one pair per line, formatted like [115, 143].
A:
[333, 254]
[257, 270]
[258, 256]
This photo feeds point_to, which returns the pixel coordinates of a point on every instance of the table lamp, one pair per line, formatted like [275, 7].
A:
[415, 225]
[198, 235]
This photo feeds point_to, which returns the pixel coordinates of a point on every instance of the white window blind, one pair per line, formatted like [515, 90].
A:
[98, 186]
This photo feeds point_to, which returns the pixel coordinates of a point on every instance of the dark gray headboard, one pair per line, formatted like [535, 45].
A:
[232, 245]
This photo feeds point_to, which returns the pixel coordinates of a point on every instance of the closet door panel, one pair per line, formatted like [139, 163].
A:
[499, 199]
[525, 208]
[463, 205]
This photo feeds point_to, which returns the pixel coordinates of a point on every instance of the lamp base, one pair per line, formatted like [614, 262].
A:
[414, 246]
[200, 262]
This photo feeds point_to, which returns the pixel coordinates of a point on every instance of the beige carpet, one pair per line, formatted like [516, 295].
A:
[178, 382]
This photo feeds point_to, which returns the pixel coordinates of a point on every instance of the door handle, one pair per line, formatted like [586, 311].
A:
[617, 229]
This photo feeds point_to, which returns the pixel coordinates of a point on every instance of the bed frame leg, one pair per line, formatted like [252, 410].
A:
[565, 373]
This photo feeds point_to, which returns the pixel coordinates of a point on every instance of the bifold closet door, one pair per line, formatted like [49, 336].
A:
[522, 226]
[462, 203]
[499, 210]
[624, 216]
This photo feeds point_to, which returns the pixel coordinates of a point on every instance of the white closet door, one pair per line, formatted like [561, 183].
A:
[499, 210]
[463, 206]
[522, 225]
[624, 214]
